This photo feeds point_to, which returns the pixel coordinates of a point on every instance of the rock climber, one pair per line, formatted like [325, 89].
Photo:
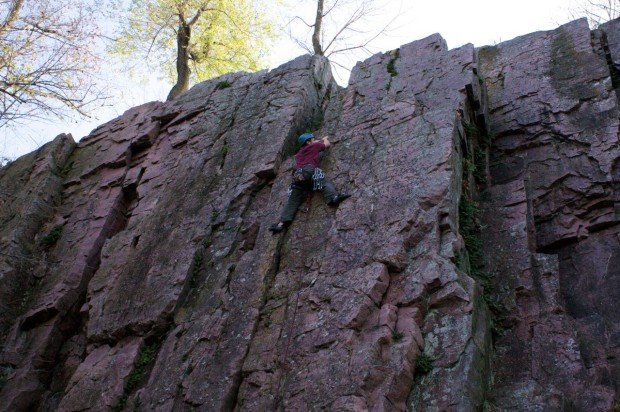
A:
[308, 177]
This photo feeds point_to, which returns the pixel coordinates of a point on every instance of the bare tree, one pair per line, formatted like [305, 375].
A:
[597, 11]
[340, 28]
[48, 59]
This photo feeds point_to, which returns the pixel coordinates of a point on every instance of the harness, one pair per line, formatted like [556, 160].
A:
[307, 178]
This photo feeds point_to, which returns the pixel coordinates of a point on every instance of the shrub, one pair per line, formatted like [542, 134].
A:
[197, 267]
[145, 357]
[224, 84]
[423, 364]
[391, 69]
[52, 237]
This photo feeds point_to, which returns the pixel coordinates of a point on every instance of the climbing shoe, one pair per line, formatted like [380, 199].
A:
[278, 227]
[338, 199]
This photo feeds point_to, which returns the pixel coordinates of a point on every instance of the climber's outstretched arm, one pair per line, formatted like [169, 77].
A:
[326, 141]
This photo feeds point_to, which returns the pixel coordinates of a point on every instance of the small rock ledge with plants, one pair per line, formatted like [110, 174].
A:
[476, 265]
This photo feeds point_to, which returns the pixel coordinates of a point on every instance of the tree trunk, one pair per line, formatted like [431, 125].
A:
[11, 16]
[183, 70]
[316, 36]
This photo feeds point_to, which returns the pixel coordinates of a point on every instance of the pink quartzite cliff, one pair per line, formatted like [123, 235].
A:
[475, 267]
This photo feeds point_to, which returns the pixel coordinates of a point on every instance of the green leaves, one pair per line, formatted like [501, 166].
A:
[52, 237]
[226, 35]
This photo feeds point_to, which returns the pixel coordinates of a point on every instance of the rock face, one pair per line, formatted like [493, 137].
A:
[552, 234]
[476, 265]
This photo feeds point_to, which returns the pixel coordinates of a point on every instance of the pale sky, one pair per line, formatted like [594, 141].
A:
[481, 22]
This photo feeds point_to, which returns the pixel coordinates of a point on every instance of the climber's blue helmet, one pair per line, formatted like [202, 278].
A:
[305, 137]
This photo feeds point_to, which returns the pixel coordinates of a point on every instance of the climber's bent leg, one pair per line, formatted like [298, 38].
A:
[292, 204]
[329, 191]
[332, 197]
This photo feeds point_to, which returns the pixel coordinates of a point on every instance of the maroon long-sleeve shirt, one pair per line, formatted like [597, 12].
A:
[309, 155]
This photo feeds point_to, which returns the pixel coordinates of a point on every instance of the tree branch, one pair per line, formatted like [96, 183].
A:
[12, 15]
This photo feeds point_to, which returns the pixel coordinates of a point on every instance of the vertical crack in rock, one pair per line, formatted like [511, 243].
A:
[324, 86]
[468, 360]
[93, 370]
[267, 287]
[316, 124]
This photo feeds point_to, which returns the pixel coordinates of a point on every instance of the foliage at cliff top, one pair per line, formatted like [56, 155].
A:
[226, 35]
